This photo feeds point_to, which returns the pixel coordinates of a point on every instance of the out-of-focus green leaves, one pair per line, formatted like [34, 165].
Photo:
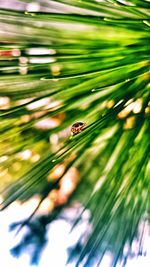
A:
[87, 61]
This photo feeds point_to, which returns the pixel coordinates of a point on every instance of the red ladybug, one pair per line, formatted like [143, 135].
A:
[77, 127]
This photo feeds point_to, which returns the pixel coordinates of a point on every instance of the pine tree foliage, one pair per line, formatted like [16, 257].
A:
[76, 61]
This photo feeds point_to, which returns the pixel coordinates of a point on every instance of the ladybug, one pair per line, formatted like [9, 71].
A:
[77, 127]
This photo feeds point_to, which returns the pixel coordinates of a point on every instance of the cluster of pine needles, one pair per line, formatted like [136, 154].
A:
[78, 61]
